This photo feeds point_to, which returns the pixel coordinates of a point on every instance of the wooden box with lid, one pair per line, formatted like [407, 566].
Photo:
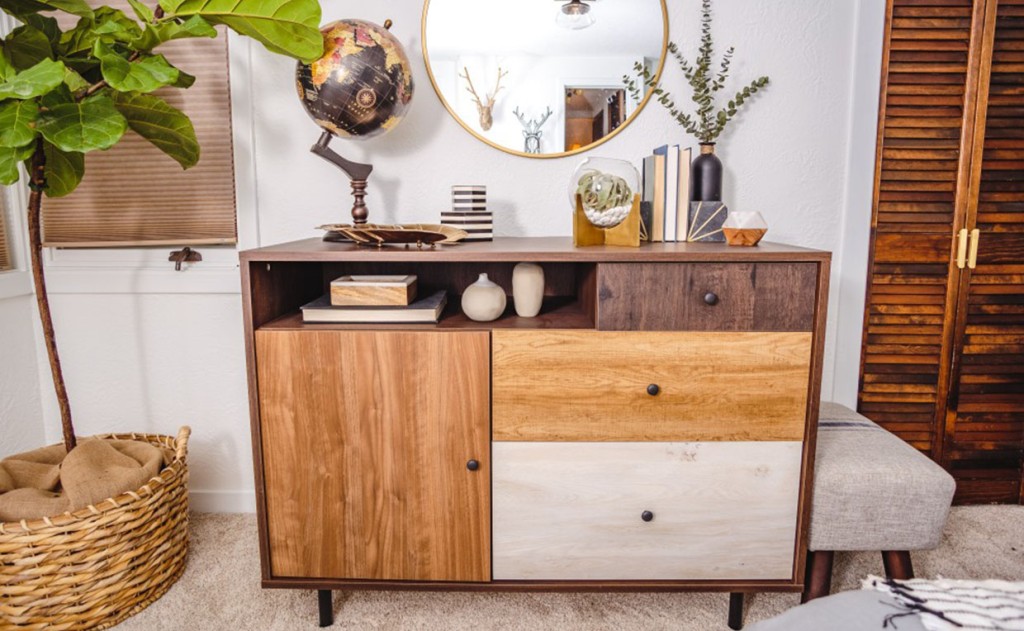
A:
[652, 429]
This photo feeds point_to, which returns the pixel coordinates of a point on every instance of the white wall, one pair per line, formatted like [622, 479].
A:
[21, 422]
[21, 427]
[146, 349]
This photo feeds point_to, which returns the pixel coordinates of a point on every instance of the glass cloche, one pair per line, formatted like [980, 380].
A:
[606, 187]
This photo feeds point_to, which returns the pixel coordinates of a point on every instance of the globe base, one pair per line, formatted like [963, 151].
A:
[357, 172]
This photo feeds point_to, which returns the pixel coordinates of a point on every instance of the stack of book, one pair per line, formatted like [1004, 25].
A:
[665, 204]
[375, 299]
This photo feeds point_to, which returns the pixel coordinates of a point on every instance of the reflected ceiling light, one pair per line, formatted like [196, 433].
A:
[575, 15]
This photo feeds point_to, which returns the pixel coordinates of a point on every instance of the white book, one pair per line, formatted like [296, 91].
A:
[671, 188]
[423, 310]
[683, 201]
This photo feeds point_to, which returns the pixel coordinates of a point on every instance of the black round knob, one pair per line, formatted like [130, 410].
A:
[647, 515]
[653, 389]
[711, 298]
[472, 465]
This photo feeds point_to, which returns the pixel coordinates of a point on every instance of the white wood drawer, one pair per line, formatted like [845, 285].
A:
[721, 510]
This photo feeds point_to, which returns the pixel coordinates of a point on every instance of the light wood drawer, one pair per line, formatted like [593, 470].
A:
[706, 296]
[564, 511]
[593, 386]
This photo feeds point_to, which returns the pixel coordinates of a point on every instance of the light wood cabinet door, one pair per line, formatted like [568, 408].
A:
[366, 438]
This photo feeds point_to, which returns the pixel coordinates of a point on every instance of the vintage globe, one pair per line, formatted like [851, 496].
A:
[362, 86]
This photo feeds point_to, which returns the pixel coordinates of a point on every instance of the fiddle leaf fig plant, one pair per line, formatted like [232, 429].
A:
[706, 125]
[67, 91]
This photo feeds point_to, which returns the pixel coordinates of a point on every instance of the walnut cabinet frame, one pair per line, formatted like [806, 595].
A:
[652, 429]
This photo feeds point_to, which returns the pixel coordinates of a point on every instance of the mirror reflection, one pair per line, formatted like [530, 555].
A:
[541, 77]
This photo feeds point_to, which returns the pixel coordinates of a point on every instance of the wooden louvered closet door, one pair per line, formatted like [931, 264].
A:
[923, 309]
[924, 104]
[985, 417]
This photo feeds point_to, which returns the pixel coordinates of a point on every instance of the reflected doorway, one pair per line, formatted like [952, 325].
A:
[591, 114]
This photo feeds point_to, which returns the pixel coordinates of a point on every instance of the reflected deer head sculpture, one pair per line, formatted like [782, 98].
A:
[484, 106]
[531, 130]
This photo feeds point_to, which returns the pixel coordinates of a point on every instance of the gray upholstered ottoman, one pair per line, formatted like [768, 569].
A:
[872, 491]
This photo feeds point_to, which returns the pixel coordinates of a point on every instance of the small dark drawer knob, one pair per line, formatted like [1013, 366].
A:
[711, 298]
[472, 465]
[653, 389]
[647, 515]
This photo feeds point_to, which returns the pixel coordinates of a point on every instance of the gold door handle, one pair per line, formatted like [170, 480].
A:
[961, 249]
[972, 255]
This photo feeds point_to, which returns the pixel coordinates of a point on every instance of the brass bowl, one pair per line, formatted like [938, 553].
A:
[383, 234]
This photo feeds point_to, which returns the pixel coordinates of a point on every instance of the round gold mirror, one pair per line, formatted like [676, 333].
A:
[542, 78]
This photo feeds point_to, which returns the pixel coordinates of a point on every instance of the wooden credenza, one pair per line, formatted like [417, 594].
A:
[652, 428]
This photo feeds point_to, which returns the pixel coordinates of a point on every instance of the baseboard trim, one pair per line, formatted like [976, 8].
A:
[223, 501]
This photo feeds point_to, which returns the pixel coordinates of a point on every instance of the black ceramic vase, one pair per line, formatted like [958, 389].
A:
[706, 175]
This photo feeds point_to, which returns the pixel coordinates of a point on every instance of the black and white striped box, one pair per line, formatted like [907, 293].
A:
[479, 225]
[469, 198]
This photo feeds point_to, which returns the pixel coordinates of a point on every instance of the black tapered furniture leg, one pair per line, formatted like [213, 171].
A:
[326, 607]
[736, 610]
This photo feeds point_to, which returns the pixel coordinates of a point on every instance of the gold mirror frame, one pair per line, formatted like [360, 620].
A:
[563, 154]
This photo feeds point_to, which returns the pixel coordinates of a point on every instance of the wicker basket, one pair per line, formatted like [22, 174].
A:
[97, 566]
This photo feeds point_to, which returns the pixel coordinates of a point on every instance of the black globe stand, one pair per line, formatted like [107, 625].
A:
[357, 172]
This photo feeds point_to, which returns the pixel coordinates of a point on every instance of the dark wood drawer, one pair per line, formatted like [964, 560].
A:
[706, 296]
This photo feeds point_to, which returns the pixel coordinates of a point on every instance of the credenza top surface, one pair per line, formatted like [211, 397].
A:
[544, 249]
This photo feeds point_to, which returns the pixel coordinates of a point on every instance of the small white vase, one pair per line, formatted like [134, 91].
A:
[527, 289]
[483, 301]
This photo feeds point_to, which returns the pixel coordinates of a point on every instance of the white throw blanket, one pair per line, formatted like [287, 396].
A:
[949, 605]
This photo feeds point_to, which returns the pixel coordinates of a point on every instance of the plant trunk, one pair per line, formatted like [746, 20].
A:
[37, 181]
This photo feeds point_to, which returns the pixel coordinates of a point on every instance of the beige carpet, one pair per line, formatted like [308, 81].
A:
[220, 589]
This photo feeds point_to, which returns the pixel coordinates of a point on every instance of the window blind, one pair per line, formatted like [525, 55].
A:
[135, 195]
[6, 263]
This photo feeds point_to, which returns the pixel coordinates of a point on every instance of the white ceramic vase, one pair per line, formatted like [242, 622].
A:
[483, 301]
[527, 289]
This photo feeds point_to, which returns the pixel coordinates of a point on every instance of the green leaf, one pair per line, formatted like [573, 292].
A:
[288, 27]
[91, 124]
[156, 34]
[75, 7]
[10, 157]
[78, 39]
[185, 80]
[26, 46]
[58, 96]
[36, 81]
[169, 129]
[142, 10]
[107, 24]
[21, 8]
[46, 24]
[143, 75]
[17, 123]
[6, 69]
[74, 81]
[115, 25]
[64, 170]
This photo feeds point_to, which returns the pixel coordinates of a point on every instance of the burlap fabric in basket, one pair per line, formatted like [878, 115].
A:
[94, 567]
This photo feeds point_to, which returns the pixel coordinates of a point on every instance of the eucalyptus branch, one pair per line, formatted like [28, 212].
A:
[706, 124]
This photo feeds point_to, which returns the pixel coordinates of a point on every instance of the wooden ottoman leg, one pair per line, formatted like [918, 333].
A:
[323, 597]
[736, 610]
[897, 564]
[818, 577]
